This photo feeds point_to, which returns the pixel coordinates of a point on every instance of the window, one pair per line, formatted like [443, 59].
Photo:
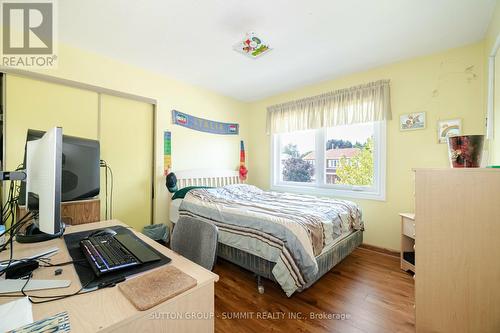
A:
[344, 160]
[297, 157]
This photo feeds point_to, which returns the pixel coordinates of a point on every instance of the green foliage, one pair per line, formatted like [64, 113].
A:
[359, 145]
[338, 144]
[291, 150]
[297, 170]
[359, 169]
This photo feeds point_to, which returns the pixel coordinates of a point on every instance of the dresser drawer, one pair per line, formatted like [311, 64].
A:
[408, 227]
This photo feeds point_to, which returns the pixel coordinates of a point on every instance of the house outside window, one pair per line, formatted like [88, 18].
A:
[345, 160]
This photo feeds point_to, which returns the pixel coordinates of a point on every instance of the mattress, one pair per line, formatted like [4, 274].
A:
[330, 241]
[264, 268]
[286, 229]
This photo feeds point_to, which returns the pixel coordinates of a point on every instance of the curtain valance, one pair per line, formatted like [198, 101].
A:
[358, 104]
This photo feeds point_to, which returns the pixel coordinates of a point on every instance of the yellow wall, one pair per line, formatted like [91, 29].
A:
[495, 143]
[436, 84]
[131, 175]
[190, 149]
[491, 36]
[48, 105]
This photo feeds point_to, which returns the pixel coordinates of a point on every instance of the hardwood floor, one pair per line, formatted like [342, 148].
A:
[367, 287]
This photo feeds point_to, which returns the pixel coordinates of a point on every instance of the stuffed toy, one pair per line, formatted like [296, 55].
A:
[171, 182]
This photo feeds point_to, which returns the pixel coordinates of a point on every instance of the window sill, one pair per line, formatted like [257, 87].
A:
[330, 192]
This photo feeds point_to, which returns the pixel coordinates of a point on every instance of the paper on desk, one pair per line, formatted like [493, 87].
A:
[58, 323]
[15, 314]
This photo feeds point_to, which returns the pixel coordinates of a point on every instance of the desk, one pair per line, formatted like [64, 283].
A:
[107, 310]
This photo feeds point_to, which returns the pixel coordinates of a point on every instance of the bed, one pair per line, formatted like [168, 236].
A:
[290, 239]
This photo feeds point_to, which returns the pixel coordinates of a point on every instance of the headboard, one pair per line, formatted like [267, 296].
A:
[207, 177]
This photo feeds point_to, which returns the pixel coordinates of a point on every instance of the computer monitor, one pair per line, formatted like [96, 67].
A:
[80, 167]
[43, 180]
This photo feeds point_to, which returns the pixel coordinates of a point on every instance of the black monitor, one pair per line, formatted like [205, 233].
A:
[80, 167]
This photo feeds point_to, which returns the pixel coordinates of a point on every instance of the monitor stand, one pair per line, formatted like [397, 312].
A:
[32, 234]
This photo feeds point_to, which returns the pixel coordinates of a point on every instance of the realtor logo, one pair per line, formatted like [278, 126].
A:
[28, 34]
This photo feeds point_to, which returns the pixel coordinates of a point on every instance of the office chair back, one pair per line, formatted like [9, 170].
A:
[196, 240]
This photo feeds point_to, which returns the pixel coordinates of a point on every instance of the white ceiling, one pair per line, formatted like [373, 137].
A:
[312, 40]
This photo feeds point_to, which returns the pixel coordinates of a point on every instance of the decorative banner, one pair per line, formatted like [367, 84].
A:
[242, 170]
[167, 152]
[204, 125]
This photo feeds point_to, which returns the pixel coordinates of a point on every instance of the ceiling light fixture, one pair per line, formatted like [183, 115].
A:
[252, 46]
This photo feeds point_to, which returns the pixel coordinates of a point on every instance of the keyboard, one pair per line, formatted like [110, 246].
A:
[106, 254]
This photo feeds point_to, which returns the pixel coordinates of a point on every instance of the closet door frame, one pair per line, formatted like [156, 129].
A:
[100, 91]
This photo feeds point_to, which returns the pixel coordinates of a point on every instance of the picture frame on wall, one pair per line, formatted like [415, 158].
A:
[412, 121]
[447, 128]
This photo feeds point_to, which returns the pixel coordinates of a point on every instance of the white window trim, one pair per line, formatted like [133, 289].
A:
[375, 192]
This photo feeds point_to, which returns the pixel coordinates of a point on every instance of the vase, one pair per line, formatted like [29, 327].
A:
[465, 151]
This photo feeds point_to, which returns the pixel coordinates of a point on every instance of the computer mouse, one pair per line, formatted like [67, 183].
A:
[103, 232]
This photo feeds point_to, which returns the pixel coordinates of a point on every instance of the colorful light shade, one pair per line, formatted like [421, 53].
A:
[252, 46]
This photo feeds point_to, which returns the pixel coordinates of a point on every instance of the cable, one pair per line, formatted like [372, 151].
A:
[8, 204]
[15, 224]
[106, 178]
[51, 298]
[46, 262]
[12, 197]
[10, 257]
[26, 283]
[111, 194]
[13, 231]
[4, 207]
[55, 297]
[105, 165]
[12, 228]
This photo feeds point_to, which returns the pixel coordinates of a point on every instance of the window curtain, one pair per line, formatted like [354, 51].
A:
[359, 104]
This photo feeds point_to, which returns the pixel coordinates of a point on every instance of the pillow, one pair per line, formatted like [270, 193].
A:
[180, 194]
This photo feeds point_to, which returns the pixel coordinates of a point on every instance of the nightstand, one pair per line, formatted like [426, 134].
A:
[407, 242]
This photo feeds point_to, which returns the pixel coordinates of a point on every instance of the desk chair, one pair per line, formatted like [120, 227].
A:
[195, 240]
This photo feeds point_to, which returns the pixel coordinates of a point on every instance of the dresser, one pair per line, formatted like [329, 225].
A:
[457, 258]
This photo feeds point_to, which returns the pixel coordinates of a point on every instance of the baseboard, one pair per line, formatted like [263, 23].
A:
[378, 249]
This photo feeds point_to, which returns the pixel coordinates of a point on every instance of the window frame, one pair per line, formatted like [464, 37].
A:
[375, 192]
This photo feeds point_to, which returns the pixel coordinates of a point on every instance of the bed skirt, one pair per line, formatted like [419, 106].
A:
[262, 267]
